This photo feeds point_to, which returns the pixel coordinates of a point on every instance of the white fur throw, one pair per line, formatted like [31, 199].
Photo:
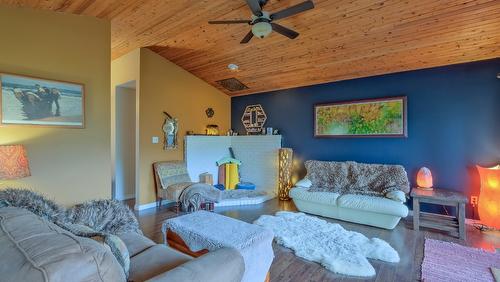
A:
[356, 178]
[337, 249]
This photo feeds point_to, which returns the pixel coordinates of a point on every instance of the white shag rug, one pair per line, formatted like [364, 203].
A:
[329, 244]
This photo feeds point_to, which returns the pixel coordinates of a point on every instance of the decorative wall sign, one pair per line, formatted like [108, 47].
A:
[384, 117]
[170, 128]
[209, 112]
[26, 100]
[254, 118]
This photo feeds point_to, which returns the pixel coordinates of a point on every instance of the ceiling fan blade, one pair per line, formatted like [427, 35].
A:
[284, 31]
[255, 7]
[247, 37]
[304, 6]
[230, 22]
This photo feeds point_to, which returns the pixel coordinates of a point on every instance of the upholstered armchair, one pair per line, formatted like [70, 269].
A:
[170, 180]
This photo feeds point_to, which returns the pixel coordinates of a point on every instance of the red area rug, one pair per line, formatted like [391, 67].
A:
[445, 261]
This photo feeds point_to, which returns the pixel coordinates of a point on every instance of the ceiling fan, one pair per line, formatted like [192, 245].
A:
[262, 22]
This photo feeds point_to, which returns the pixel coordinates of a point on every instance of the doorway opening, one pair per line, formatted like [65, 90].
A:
[125, 143]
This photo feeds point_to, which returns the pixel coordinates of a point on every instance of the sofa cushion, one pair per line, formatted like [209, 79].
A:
[34, 249]
[306, 183]
[135, 243]
[197, 269]
[302, 193]
[397, 195]
[372, 204]
[155, 260]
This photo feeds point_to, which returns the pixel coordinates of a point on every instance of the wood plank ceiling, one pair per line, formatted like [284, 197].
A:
[339, 39]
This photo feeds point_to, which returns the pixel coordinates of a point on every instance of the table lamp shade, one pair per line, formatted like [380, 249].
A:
[13, 162]
[489, 196]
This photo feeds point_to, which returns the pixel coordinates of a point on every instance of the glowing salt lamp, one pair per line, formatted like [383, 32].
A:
[424, 178]
[489, 197]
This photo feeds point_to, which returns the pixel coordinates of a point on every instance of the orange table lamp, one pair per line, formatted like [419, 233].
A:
[13, 162]
[489, 197]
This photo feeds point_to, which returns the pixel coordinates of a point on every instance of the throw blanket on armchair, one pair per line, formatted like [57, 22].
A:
[193, 194]
[196, 193]
[356, 178]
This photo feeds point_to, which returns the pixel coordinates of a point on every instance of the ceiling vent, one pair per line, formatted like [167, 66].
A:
[232, 84]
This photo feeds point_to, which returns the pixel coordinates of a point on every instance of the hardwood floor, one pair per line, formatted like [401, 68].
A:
[287, 267]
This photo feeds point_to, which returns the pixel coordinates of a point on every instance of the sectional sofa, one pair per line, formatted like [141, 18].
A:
[35, 249]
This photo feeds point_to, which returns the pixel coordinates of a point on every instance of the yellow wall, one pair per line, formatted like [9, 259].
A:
[68, 165]
[165, 86]
[123, 70]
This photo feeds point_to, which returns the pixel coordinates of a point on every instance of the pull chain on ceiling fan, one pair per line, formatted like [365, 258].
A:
[262, 22]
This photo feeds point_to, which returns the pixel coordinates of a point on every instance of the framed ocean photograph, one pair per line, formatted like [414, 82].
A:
[382, 117]
[36, 101]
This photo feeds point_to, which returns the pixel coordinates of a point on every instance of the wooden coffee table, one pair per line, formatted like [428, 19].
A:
[454, 225]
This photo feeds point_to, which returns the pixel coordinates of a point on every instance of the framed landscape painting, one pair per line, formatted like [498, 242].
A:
[383, 117]
[36, 101]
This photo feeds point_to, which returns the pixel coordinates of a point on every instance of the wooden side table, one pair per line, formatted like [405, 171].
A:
[454, 225]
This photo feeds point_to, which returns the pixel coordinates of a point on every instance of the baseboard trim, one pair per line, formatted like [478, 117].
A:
[152, 205]
[126, 197]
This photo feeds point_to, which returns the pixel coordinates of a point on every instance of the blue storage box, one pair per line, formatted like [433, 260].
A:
[220, 187]
[245, 186]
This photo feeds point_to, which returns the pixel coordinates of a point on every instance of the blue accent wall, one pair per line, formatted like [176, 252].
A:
[453, 121]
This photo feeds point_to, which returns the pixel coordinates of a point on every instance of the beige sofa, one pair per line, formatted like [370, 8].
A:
[369, 210]
[34, 249]
[384, 212]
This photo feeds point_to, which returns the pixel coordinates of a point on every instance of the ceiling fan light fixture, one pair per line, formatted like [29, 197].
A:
[262, 29]
[233, 67]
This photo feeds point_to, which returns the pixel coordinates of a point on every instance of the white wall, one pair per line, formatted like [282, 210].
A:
[125, 143]
[201, 153]
[259, 160]
[258, 154]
